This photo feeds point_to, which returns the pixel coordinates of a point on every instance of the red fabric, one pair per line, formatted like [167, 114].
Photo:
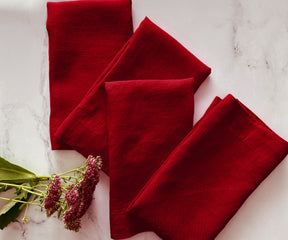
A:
[84, 36]
[149, 54]
[179, 182]
[203, 182]
[147, 119]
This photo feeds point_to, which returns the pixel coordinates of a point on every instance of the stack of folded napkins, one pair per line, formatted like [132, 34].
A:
[129, 97]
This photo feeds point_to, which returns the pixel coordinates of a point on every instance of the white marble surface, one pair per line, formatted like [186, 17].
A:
[246, 44]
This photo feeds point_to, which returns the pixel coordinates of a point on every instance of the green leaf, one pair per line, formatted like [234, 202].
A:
[11, 214]
[12, 173]
[7, 207]
[11, 204]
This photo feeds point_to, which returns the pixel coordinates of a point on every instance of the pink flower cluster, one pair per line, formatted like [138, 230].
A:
[54, 192]
[79, 196]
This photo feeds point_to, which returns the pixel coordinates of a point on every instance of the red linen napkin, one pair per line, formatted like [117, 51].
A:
[149, 54]
[202, 183]
[147, 119]
[84, 36]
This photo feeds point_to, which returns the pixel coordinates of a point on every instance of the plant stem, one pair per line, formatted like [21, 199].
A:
[43, 178]
[72, 177]
[25, 188]
[15, 185]
[24, 219]
[34, 193]
[41, 185]
[71, 171]
[35, 189]
[15, 200]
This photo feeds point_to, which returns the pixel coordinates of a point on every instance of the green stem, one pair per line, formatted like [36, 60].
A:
[72, 177]
[34, 193]
[24, 219]
[19, 201]
[35, 189]
[71, 171]
[11, 185]
[15, 185]
[25, 188]
[43, 178]
[41, 185]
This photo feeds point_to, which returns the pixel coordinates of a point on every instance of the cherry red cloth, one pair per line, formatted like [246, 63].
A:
[84, 36]
[192, 193]
[147, 119]
[149, 54]
[133, 101]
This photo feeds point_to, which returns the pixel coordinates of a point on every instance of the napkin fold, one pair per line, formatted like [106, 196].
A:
[203, 181]
[84, 36]
[147, 119]
[150, 53]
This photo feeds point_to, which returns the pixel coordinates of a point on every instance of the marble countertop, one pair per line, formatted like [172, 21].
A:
[244, 42]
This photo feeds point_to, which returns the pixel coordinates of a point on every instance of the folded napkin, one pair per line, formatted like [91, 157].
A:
[147, 119]
[149, 54]
[84, 36]
[194, 192]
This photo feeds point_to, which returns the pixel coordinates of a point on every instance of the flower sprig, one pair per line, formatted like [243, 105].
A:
[69, 194]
